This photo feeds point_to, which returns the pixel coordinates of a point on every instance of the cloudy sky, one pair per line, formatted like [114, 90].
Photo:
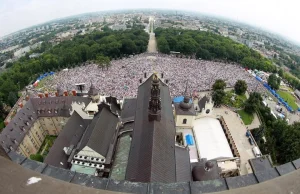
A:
[280, 16]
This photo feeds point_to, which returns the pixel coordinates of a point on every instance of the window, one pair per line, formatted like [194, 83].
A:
[184, 121]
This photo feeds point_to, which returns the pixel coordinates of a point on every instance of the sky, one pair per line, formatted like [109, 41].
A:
[279, 16]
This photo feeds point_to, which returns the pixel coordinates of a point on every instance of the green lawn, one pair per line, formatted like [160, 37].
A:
[46, 145]
[247, 118]
[238, 101]
[289, 98]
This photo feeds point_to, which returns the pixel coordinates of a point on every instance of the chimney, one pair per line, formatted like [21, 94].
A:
[66, 93]
[6, 123]
[74, 93]
[40, 95]
[141, 80]
[56, 94]
[154, 109]
[46, 94]
[162, 75]
[21, 105]
[27, 98]
[145, 75]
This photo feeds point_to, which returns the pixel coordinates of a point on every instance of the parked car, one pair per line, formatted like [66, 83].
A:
[250, 140]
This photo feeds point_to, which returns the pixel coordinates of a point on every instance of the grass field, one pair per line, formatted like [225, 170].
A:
[46, 145]
[238, 101]
[247, 118]
[289, 98]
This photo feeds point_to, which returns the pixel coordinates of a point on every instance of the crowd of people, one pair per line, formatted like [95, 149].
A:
[122, 77]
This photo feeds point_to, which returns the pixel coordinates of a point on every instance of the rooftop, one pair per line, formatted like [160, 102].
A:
[152, 152]
[70, 135]
[211, 140]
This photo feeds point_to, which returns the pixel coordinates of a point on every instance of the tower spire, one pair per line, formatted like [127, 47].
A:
[185, 104]
[154, 108]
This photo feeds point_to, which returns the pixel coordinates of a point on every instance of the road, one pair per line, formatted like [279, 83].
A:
[272, 105]
[152, 45]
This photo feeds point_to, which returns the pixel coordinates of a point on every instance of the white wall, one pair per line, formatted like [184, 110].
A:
[189, 123]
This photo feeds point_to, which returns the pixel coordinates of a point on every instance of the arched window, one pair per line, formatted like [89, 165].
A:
[184, 121]
[207, 111]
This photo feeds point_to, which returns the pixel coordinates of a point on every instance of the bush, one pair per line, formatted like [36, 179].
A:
[37, 157]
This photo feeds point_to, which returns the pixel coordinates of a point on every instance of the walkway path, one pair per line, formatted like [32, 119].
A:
[152, 45]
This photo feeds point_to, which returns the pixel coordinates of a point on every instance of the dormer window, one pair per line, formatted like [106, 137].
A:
[22, 128]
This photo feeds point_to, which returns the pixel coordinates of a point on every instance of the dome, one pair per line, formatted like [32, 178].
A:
[208, 165]
[185, 104]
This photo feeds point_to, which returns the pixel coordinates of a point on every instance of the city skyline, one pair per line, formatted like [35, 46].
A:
[264, 15]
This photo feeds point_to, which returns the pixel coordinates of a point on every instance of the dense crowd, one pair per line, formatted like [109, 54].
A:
[122, 77]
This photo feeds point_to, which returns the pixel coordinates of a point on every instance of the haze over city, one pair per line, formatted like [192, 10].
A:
[280, 17]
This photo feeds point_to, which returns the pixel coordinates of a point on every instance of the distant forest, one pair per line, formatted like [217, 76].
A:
[68, 54]
[210, 46]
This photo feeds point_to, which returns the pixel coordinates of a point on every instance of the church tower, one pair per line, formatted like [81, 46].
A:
[154, 109]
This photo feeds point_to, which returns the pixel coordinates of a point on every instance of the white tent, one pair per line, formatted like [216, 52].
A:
[210, 139]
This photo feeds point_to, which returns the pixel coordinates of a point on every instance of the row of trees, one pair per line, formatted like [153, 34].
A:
[219, 94]
[282, 141]
[207, 45]
[101, 46]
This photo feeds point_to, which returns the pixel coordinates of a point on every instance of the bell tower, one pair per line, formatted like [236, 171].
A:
[154, 109]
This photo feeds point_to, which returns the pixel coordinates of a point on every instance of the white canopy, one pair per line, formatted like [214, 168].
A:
[211, 140]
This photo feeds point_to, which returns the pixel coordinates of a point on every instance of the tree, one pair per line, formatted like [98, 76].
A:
[2, 111]
[163, 45]
[37, 157]
[218, 97]
[253, 102]
[280, 72]
[203, 54]
[274, 82]
[219, 85]
[240, 87]
[102, 61]
[128, 46]
[12, 98]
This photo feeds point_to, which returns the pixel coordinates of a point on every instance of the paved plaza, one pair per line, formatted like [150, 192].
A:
[238, 132]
